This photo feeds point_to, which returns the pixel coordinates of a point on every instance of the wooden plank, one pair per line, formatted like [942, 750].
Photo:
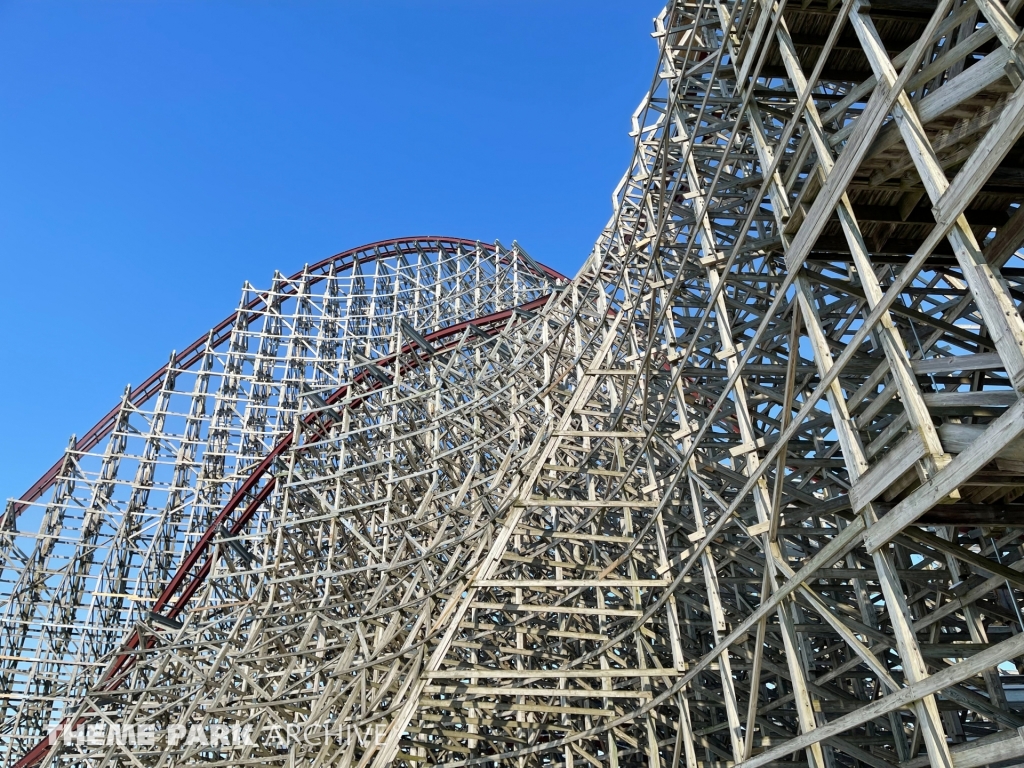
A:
[537, 693]
[949, 676]
[569, 583]
[979, 561]
[957, 438]
[986, 399]
[541, 674]
[1000, 746]
[596, 503]
[988, 154]
[1005, 28]
[883, 473]
[449, 703]
[1007, 427]
[983, 361]
[540, 608]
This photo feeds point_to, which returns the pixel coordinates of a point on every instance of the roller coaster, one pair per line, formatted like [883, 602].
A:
[748, 490]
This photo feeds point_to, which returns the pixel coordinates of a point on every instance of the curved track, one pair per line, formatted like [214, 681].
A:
[119, 530]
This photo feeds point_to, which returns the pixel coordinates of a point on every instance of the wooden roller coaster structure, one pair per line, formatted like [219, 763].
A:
[747, 491]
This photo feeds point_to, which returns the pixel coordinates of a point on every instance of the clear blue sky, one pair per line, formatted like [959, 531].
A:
[154, 155]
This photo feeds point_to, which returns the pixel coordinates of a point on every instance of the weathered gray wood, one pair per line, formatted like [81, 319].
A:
[933, 684]
[887, 470]
[1002, 432]
[661, 491]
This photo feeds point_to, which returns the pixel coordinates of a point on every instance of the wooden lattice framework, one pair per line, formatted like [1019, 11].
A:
[747, 491]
